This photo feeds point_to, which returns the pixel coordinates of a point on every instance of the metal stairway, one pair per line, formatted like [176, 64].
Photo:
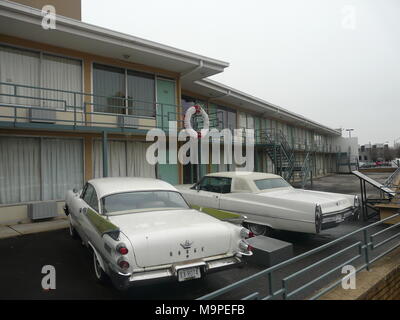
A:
[306, 170]
[283, 156]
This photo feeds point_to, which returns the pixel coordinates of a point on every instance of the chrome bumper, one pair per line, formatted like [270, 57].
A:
[124, 281]
[333, 219]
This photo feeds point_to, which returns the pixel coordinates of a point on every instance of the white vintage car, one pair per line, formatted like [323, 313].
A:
[142, 229]
[268, 202]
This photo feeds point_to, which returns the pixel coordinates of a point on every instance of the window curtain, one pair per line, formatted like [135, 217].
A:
[62, 167]
[124, 159]
[141, 88]
[19, 67]
[64, 74]
[116, 159]
[137, 163]
[19, 170]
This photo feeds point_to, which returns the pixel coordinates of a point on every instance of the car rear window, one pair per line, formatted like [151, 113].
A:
[264, 184]
[130, 202]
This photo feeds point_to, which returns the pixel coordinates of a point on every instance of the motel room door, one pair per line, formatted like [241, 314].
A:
[166, 111]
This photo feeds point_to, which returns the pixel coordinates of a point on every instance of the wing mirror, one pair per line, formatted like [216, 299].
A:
[196, 187]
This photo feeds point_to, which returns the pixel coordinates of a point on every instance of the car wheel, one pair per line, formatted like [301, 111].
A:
[101, 276]
[259, 230]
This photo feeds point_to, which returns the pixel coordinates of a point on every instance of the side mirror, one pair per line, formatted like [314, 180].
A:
[75, 190]
[197, 187]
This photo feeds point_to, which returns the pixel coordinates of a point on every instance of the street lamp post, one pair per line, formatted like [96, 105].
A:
[349, 131]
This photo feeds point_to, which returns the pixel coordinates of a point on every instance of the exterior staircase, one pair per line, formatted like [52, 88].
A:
[283, 156]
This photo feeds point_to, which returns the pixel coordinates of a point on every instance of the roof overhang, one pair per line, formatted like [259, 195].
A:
[25, 22]
[216, 91]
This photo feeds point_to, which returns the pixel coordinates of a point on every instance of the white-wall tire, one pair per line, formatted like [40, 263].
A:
[259, 230]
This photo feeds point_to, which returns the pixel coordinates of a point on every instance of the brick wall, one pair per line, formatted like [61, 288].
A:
[387, 289]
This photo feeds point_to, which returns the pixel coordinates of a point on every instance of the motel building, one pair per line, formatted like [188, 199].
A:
[77, 101]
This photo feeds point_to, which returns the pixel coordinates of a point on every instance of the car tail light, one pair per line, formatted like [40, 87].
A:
[245, 233]
[123, 264]
[243, 245]
[122, 249]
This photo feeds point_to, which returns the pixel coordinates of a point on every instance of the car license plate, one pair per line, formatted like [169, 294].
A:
[189, 274]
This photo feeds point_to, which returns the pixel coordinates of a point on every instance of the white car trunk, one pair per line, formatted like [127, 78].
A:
[160, 237]
[329, 202]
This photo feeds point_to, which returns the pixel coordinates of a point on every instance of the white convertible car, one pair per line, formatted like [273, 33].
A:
[268, 202]
[142, 229]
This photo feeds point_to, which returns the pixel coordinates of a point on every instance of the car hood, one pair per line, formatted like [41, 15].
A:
[329, 202]
[173, 236]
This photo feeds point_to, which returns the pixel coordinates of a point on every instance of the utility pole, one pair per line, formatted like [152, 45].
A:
[349, 131]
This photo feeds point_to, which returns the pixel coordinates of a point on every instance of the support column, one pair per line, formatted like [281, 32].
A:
[88, 145]
[87, 98]
[105, 154]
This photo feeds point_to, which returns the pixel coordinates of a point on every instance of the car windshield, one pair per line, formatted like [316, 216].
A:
[264, 184]
[139, 201]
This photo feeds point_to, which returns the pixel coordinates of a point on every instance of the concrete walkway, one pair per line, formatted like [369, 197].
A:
[35, 227]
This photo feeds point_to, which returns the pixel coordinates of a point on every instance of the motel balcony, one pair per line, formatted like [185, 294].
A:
[23, 106]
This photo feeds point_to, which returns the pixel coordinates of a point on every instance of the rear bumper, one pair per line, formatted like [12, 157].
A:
[333, 219]
[124, 281]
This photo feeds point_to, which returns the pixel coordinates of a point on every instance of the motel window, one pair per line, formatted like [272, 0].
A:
[37, 69]
[246, 121]
[226, 118]
[35, 169]
[122, 91]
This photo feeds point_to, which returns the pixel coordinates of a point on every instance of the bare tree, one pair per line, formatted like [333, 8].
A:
[374, 154]
[388, 154]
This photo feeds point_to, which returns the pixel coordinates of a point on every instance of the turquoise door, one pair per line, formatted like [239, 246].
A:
[166, 111]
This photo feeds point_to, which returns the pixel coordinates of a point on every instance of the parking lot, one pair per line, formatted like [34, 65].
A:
[23, 258]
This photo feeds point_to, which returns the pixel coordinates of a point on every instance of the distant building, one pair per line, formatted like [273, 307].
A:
[373, 152]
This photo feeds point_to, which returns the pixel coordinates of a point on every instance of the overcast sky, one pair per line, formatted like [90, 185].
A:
[336, 62]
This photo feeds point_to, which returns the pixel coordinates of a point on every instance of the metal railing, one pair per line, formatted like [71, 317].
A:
[392, 178]
[19, 102]
[362, 249]
[274, 136]
[87, 109]
[306, 172]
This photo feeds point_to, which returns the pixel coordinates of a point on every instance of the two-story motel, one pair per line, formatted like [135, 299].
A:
[76, 103]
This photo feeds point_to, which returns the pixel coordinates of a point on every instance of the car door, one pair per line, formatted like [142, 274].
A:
[80, 208]
[76, 209]
[92, 204]
[209, 190]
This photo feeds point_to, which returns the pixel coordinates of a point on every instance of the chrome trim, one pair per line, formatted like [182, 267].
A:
[123, 281]
[325, 215]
